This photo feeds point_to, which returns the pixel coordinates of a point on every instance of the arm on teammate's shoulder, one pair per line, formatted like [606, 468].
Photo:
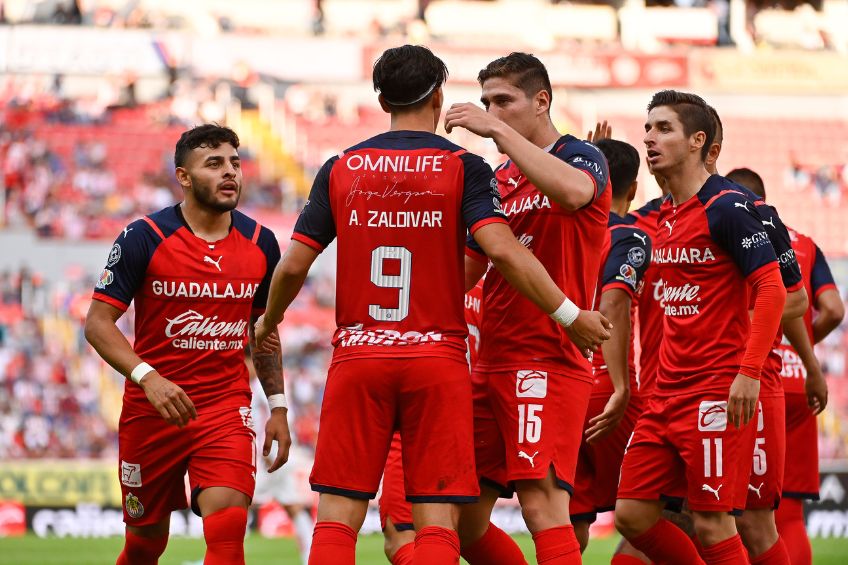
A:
[103, 334]
[289, 276]
[815, 384]
[568, 186]
[831, 311]
[796, 304]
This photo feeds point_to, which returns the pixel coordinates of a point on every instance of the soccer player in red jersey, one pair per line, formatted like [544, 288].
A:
[400, 205]
[395, 510]
[198, 273]
[531, 385]
[615, 403]
[695, 434]
[805, 390]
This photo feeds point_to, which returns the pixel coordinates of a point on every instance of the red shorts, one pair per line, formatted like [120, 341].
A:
[765, 484]
[393, 503]
[599, 465]
[218, 450]
[801, 475]
[683, 446]
[427, 399]
[524, 423]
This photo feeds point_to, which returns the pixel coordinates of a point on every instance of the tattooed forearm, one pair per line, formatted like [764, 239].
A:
[269, 370]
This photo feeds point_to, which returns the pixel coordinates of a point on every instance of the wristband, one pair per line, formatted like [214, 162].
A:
[566, 313]
[277, 401]
[140, 372]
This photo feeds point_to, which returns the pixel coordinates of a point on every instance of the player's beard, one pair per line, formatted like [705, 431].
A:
[205, 196]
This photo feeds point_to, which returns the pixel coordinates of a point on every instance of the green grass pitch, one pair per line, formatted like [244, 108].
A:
[30, 550]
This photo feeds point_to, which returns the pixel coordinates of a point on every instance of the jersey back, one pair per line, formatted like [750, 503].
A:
[193, 302]
[400, 205]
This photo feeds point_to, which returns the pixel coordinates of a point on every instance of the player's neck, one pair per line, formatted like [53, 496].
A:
[544, 135]
[685, 182]
[208, 225]
[619, 207]
[414, 121]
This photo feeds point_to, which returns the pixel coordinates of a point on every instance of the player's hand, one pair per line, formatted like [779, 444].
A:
[277, 429]
[606, 421]
[816, 389]
[602, 131]
[588, 331]
[172, 403]
[471, 117]
[742, 402]
[265, 335]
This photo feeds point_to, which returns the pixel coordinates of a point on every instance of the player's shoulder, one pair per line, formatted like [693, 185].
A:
[622, 230]
[157, 226]
[721, 196]
[568, 145]
[251, 229]
[405, 140]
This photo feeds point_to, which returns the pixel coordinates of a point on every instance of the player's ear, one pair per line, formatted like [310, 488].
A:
[383, 104]
[438, 100]
[542, 102]
[697, 141]
[183, 177]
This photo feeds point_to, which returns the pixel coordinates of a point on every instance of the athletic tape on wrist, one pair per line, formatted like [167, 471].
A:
[140, 371]
[566, 313]
[277, 401]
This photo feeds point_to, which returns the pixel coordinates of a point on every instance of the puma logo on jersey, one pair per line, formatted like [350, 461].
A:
[216, 262]
[643, 238]
[741, 205]
[769, 223]
[127, 230]
[670, 225]
[712, 490]
[756, 489]
[522, 455]
[514, 182]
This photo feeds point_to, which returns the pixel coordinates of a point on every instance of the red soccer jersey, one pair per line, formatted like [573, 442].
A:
[624, 264]
[817, 278]
[400, 205]
[650, 308]
[705, 249]
[517, 335]
[473, 319]
[193, 302]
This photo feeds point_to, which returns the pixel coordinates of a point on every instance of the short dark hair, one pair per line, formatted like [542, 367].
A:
[719, 129]
[692, 111]
[209, 135]
[407, 76]
[523, 70]
[623, 161]
[749, 179]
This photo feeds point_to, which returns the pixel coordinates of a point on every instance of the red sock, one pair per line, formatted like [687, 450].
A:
[622, 559]
[333, 543]
[727, 552]
[557, 546]
[142, 551]
[776, 555]
[224, 533]
[437, 546]
[666, 543]
[403, 556]
[496, 547]
[790, 525]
